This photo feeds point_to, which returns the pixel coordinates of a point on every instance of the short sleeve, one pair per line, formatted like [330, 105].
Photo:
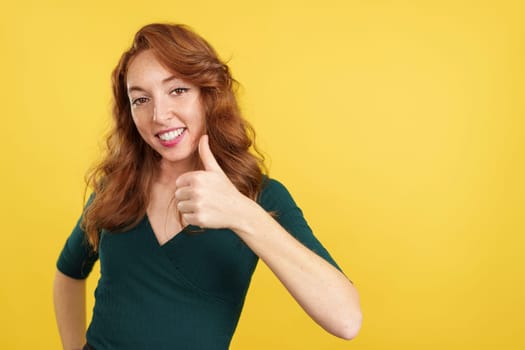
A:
[275, 198]
[77, 257]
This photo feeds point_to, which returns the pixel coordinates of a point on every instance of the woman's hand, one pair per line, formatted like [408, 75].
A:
[207, 198]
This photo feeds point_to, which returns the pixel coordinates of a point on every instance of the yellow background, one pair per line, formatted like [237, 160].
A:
[397, 125]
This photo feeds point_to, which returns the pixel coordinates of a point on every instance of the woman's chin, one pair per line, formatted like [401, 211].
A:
[187, 161]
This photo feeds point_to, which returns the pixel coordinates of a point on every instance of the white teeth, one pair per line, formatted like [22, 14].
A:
[170, 135]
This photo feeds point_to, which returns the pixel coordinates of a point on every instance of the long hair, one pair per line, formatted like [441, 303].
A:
[122, 181]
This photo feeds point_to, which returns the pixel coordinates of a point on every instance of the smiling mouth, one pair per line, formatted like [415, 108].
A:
[171, 135]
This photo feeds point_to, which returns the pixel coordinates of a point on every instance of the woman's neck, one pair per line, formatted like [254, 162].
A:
[169, 172]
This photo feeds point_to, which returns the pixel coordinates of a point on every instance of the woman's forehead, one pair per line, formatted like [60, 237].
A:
[147, 68]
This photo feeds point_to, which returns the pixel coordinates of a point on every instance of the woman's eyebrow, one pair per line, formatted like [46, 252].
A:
[169, 79]
[135, 88]
[164, 81]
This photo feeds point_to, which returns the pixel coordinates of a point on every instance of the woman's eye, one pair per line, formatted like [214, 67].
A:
[179, 91]
[139, 101]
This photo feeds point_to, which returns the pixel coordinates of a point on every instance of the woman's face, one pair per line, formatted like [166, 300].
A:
[167, 110]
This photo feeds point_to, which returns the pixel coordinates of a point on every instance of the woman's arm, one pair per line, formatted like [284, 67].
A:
[208, 199]
[321, 290]
[69, 296]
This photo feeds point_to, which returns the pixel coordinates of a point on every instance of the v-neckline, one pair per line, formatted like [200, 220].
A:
[169, 241]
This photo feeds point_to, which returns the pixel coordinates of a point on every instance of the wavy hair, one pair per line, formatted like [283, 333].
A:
[122, 180]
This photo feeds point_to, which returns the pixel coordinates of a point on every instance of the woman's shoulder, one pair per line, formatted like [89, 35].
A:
[274, 195]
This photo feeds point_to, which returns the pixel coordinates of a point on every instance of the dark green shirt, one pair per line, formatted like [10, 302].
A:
[186, 294]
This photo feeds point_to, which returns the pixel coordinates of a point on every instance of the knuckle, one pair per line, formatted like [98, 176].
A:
[198, 194]
[200, 219]
[187, 218]
[198, 178]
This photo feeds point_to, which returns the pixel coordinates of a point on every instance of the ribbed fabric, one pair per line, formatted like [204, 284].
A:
[186, 294]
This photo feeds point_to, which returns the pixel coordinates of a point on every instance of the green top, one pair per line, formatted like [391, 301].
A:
[185, 294]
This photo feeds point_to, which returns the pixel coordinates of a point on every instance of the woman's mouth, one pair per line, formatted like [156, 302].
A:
[171, 137]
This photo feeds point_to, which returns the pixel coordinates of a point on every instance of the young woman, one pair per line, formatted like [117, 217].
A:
[181, 212]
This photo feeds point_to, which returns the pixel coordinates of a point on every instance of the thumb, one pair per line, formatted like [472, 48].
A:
[207, 157]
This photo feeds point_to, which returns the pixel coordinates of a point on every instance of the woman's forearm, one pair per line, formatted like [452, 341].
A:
[69, 296]
[321, 290]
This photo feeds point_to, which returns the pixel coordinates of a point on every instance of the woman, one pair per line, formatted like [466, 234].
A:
[181, 212]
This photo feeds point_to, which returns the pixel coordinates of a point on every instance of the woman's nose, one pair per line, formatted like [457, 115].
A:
[162, 111]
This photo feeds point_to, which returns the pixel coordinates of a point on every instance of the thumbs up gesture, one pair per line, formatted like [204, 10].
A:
[207, 198]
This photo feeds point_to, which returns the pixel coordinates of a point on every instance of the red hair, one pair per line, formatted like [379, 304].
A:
[122, 181]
